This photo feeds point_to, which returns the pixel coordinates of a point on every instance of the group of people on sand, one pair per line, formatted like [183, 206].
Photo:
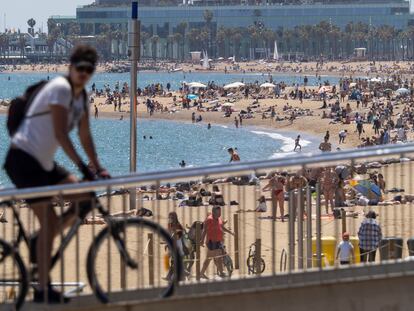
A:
[212, 238]
[334, 185]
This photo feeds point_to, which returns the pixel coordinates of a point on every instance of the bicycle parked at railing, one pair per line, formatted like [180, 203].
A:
[255, 265]
[122, 233]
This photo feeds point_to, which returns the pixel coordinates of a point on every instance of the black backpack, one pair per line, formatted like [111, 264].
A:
[19, 106]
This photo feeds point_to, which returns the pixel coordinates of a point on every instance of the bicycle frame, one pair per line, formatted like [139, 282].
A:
[22, 236]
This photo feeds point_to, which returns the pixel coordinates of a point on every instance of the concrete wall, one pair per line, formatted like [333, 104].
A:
[386, 287]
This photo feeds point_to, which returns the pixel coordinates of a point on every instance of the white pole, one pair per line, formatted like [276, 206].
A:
[134, 41]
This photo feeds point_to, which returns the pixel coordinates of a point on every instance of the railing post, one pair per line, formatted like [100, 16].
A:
[151, 258]
[343, 219]
[236, 241]
[291, 233]
[198, 257]
[308, 227]
[318, 226]
[300, 227]
[258, 255]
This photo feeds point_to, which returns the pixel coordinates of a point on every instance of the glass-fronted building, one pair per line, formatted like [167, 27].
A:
[165, 19]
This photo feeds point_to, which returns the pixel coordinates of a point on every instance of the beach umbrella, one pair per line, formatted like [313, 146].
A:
[228, 105]
[375, 80]
[267, 85]
[402, 90]
[197, 85]
[192, 96]
[220, 58]
[352, 84]
[234, 85]
[366, 187]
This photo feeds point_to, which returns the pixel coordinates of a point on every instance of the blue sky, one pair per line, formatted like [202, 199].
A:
[19, 11]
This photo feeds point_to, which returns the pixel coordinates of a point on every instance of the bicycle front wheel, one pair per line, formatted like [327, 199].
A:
[13, 278]
[132, 259]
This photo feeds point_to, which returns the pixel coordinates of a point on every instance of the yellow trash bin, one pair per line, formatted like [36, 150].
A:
[328, 249]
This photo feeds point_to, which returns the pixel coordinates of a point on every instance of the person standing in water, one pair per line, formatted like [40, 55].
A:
[297, 143]
[234, 156]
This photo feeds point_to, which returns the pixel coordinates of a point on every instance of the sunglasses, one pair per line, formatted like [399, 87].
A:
[87, 69]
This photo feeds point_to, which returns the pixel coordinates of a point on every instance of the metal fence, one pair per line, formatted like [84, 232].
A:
[323, 196]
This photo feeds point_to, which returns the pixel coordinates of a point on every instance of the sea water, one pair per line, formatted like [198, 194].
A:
[173, 142]
[13, 84]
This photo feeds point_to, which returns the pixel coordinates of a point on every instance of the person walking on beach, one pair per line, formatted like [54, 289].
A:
[369, 235]
[342, 135]
[345, 251]
[30, 159]
[96, 112]
[213, 237]
[360, 129]
[327, 136]
[234, 156]
[297, 143]
[236, 122]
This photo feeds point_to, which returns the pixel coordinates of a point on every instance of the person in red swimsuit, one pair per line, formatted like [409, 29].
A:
[277, 185]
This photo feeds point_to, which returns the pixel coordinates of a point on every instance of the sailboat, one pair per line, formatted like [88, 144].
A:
[275, 53]
[206, 63]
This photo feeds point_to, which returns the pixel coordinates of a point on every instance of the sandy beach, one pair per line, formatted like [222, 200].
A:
[337, 68]
[395, 219]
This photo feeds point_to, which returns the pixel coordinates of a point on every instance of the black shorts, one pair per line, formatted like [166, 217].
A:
[211, 245]
[26, 172]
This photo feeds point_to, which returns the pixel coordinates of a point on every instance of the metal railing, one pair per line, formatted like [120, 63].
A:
[325, 195]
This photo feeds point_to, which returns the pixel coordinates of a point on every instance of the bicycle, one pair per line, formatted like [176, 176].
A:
[16, 286]
[255, 267]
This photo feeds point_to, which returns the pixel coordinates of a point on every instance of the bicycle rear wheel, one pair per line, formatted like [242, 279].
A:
[148, 246]
[13, 278]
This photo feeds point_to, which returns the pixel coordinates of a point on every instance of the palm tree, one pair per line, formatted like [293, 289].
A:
[178, 40]
[193, 37]
[208, 17]
[52, 38]
[221, 38]
[117, 35]
[31, 22]
[236, 39]
[170, 42]
[4, 44]
[154, 46]
[104, 40]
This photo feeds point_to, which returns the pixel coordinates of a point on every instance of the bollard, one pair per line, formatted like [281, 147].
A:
[198, 257]
[236, 241]
[151, 259]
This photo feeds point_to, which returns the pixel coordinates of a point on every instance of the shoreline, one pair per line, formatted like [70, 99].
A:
[330, 68]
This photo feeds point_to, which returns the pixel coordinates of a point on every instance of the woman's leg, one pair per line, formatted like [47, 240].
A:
[281, 199]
